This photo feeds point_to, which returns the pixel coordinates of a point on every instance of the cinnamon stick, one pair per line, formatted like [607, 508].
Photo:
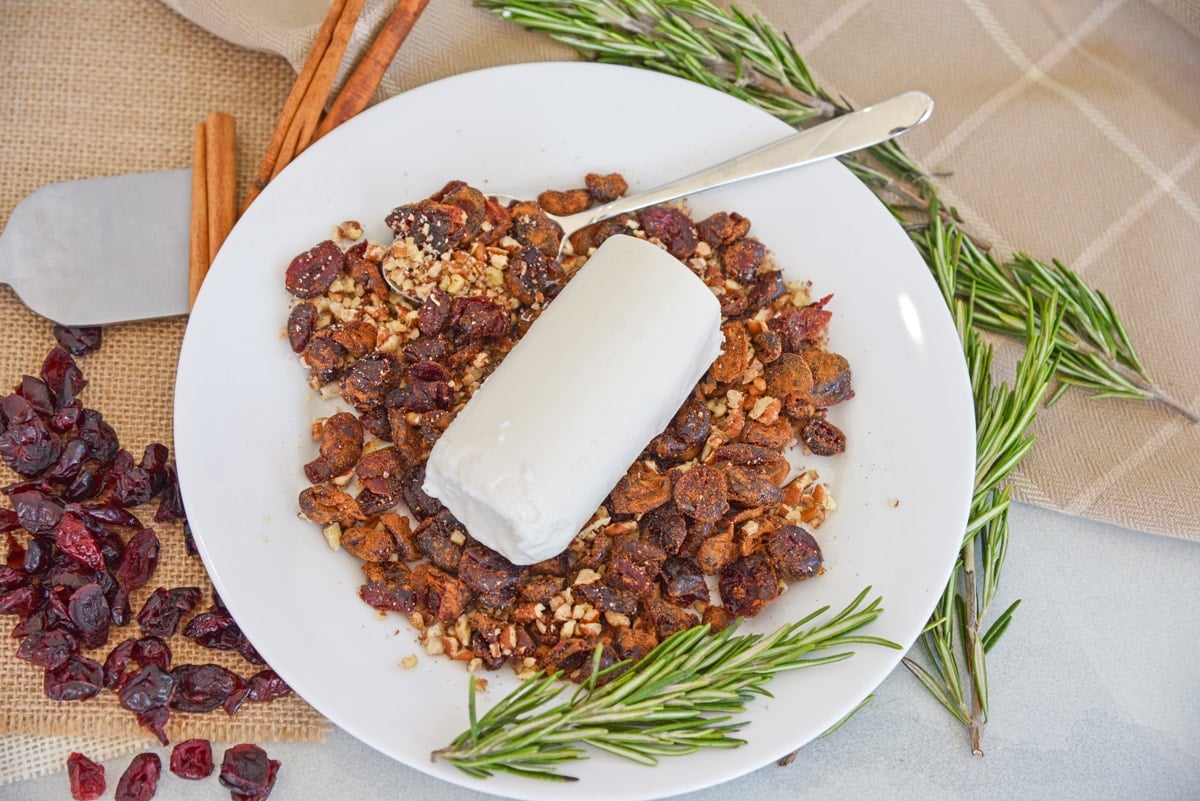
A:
[356, 93]
[214, 195]
[198, 232]
[308, 115]
[220, 139]
[300, 90]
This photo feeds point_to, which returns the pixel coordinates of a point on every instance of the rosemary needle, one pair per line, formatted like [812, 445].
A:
[680, 698]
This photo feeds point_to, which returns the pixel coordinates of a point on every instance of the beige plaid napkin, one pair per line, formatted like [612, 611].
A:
[1066, 128]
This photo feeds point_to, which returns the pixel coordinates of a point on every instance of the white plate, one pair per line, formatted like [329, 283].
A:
[243, 413]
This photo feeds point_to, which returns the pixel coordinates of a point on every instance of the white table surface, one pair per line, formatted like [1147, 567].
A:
[1095, 695]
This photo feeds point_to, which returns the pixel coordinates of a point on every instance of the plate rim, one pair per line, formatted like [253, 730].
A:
[329, 143]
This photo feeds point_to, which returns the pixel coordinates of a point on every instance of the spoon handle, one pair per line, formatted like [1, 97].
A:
[844, 134]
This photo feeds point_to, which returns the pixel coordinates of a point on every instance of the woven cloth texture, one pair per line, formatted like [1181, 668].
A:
[1066, 129]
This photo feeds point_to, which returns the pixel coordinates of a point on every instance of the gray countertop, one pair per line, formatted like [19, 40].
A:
[1095, 694]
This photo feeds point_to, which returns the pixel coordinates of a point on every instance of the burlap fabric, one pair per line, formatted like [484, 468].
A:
[1068, 129]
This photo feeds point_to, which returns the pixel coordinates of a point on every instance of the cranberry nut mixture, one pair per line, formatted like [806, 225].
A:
[711, 502]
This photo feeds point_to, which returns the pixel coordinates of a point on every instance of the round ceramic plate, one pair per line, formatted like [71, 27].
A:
[243, 411]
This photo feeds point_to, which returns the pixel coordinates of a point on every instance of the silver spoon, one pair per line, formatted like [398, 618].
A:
[853, 131]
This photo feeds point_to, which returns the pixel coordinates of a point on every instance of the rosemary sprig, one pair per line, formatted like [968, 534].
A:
[679, 698]
[955, 641]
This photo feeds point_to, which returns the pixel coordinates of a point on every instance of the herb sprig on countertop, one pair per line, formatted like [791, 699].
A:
[1071, 331]
[680, 698]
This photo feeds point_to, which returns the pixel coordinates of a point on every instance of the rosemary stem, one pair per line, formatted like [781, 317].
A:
[971, 595]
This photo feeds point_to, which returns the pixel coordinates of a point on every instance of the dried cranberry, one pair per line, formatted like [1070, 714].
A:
[192, 759]
[65, 417]
[38, 394]
[247, 771]
[86, 777]
[133, 487]
[301, 323]
[822, 437]
[479, 318]
[434, 314]
[37, 512]
[12, 576]
[108, 513]
[311, 273]
[152, 651]
[426, 396]
[160, 614]
[65, 573]
[116, 665]
[77, 541]
[433, 226]
[682, 581]
[70, 460]
[267, 685]
[419, 502]
[154, 461]
[119, 608]
[148, 688]
[99, 435]
[216, 629]
[202, 688]
[79, 340]
[85, 484]
[9, 522]
[794, 552]
[74, 680]
[89, 612]
[139, 560]
[48, 649]
[748, 584]
[170, 503]
[672, 227]
[29, 448]
[139, 782]
[63, 377]
[21, 601]
[155, 721]
[799, 325]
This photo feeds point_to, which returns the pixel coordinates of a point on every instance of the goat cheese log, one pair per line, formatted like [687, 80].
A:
[599, 374]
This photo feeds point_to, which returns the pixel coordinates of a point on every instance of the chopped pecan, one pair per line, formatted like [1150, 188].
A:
[340, 449]
[369, 543]
[735, 354]
[325, 504]
[569, 202]
[441, 593]
[722, 228]
[640, 490]
[741, 260]
[604, 188]
[831, 377]
[748, 486]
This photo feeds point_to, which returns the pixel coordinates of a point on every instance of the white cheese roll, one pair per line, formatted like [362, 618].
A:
[601, 372]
